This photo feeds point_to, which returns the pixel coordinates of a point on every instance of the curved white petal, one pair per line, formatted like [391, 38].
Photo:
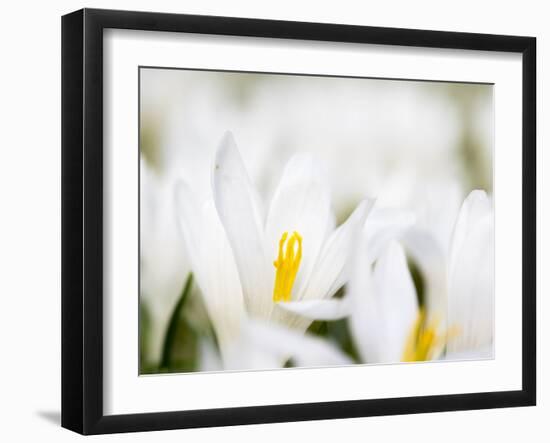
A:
[300, 203]
[246, 355]
[430, 257]
[209, 359]
[237, 205]
[475, 207]
[212, 263]
[383, 226]
[190, 219]
[471, 294]
[332, 309]
[332, 269]
[386, 306]
[304, 350]
[365, 325]
[397, 299]
[164, 263]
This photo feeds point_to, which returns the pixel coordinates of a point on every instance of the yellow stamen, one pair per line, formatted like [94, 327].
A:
[287, 264]
[424, 340]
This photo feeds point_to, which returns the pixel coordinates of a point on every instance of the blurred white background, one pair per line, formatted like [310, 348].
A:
[30, 234]
[370, 135]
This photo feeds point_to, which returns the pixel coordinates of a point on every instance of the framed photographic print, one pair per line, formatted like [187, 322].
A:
[269, 221]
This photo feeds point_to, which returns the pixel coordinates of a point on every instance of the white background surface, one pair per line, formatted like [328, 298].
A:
[30, 222]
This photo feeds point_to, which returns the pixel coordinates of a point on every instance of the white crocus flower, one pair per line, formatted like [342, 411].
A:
[459, 274]
[292, 257]
[163, 263]
[228, 258]
[243, 343]
[386, 322]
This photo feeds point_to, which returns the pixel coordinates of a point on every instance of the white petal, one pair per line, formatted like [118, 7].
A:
[209, 360]
[212, 263]
[385, 306]
[237, 205]
[383, 226]
[397, 299]
[163, 262]
[190, 218]
[475, 207]
[429, 256]
[365, 325]
[300, 203]
[332, 269]
[244, 355]
[471, 295]
[304, 350]
[332, 309]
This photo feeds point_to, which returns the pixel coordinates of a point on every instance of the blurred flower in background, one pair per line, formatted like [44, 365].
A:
[418, 148]
[163, 261]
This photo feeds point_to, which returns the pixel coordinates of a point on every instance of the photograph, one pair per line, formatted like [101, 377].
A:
[291, 220]
[266, 221]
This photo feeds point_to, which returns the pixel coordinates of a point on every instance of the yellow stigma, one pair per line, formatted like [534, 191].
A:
[424, 340]
[287, 264]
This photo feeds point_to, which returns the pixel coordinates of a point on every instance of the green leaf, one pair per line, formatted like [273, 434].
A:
[170, 338]
[144, 338]
[419, 283]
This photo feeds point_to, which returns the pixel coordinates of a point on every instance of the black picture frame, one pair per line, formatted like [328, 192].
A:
[82, 220]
